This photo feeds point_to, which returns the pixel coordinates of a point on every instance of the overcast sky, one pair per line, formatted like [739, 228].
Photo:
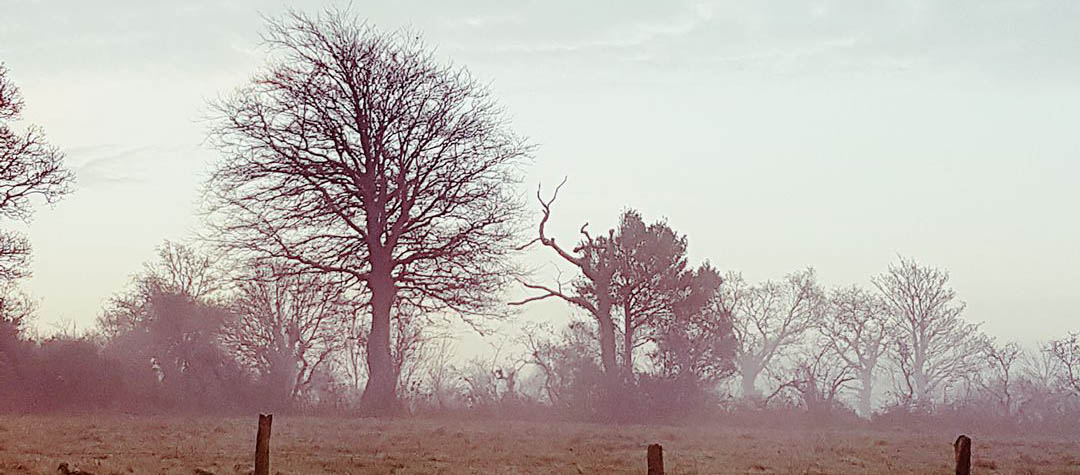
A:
[777, 135]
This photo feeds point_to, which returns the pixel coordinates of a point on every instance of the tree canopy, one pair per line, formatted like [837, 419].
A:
[359, 153]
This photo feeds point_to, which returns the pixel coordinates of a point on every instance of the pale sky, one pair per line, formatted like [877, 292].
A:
[777, 135]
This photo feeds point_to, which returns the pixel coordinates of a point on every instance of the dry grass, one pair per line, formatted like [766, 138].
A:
[116, 444]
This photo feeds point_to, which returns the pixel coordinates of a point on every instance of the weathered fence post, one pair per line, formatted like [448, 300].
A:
[262, 445]
[656, 459]
[962, 446]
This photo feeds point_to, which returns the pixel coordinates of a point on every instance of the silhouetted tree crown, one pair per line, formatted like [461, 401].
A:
[357, 152]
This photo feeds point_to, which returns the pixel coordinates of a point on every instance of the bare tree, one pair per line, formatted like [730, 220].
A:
[935, 347]
[649, 277]
[597, 261]
[857, 328]
[178, 270]
[542, 351]
[164, 331]
[184, 270]
[1066, 354]
[1038, 385]
[431, 372]
[567, 363]
[1003, 373]
[286, 326]
[817, 378]
[1040, 367]
[29, 167]
[351, 361]
[768, 319]
[492, 381]
[357, 153]
[413, 336]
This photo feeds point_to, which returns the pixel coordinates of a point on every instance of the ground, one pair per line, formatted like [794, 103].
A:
[174, 445]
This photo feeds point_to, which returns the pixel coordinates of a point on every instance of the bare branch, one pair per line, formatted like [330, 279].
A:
[29, 167]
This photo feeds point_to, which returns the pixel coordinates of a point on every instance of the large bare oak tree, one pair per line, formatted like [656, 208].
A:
[768, 320]
[858, 330]
[356, 152]
[935, 346]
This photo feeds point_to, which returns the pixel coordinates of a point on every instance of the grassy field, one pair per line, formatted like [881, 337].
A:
[117, 444]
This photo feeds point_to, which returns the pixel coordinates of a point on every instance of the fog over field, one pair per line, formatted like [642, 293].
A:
[831, 134]
[838, 228]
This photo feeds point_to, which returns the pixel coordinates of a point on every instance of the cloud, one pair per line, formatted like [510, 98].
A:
[997, 38]
[82, 36]
[109, 165]
[632, 32]
[485, 21]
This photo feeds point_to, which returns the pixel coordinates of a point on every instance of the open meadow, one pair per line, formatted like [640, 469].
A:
[173, 445]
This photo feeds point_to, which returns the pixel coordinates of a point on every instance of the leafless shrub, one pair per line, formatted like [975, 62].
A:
[285, 326]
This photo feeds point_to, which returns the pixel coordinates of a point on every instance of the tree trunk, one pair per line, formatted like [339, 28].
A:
[379, 397]
[922, 390]
[749, 374]
[749, 386]
[866, 379]
[607, 346]
[607, 355]
[628, 344]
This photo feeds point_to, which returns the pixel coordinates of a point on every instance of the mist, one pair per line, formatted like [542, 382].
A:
[696, 225]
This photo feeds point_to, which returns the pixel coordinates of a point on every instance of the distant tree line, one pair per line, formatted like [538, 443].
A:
[898, 349]
[367, 196]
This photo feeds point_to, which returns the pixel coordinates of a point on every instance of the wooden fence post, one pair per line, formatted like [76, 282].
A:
[656, 459]
[962, 446]
[262, 445]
